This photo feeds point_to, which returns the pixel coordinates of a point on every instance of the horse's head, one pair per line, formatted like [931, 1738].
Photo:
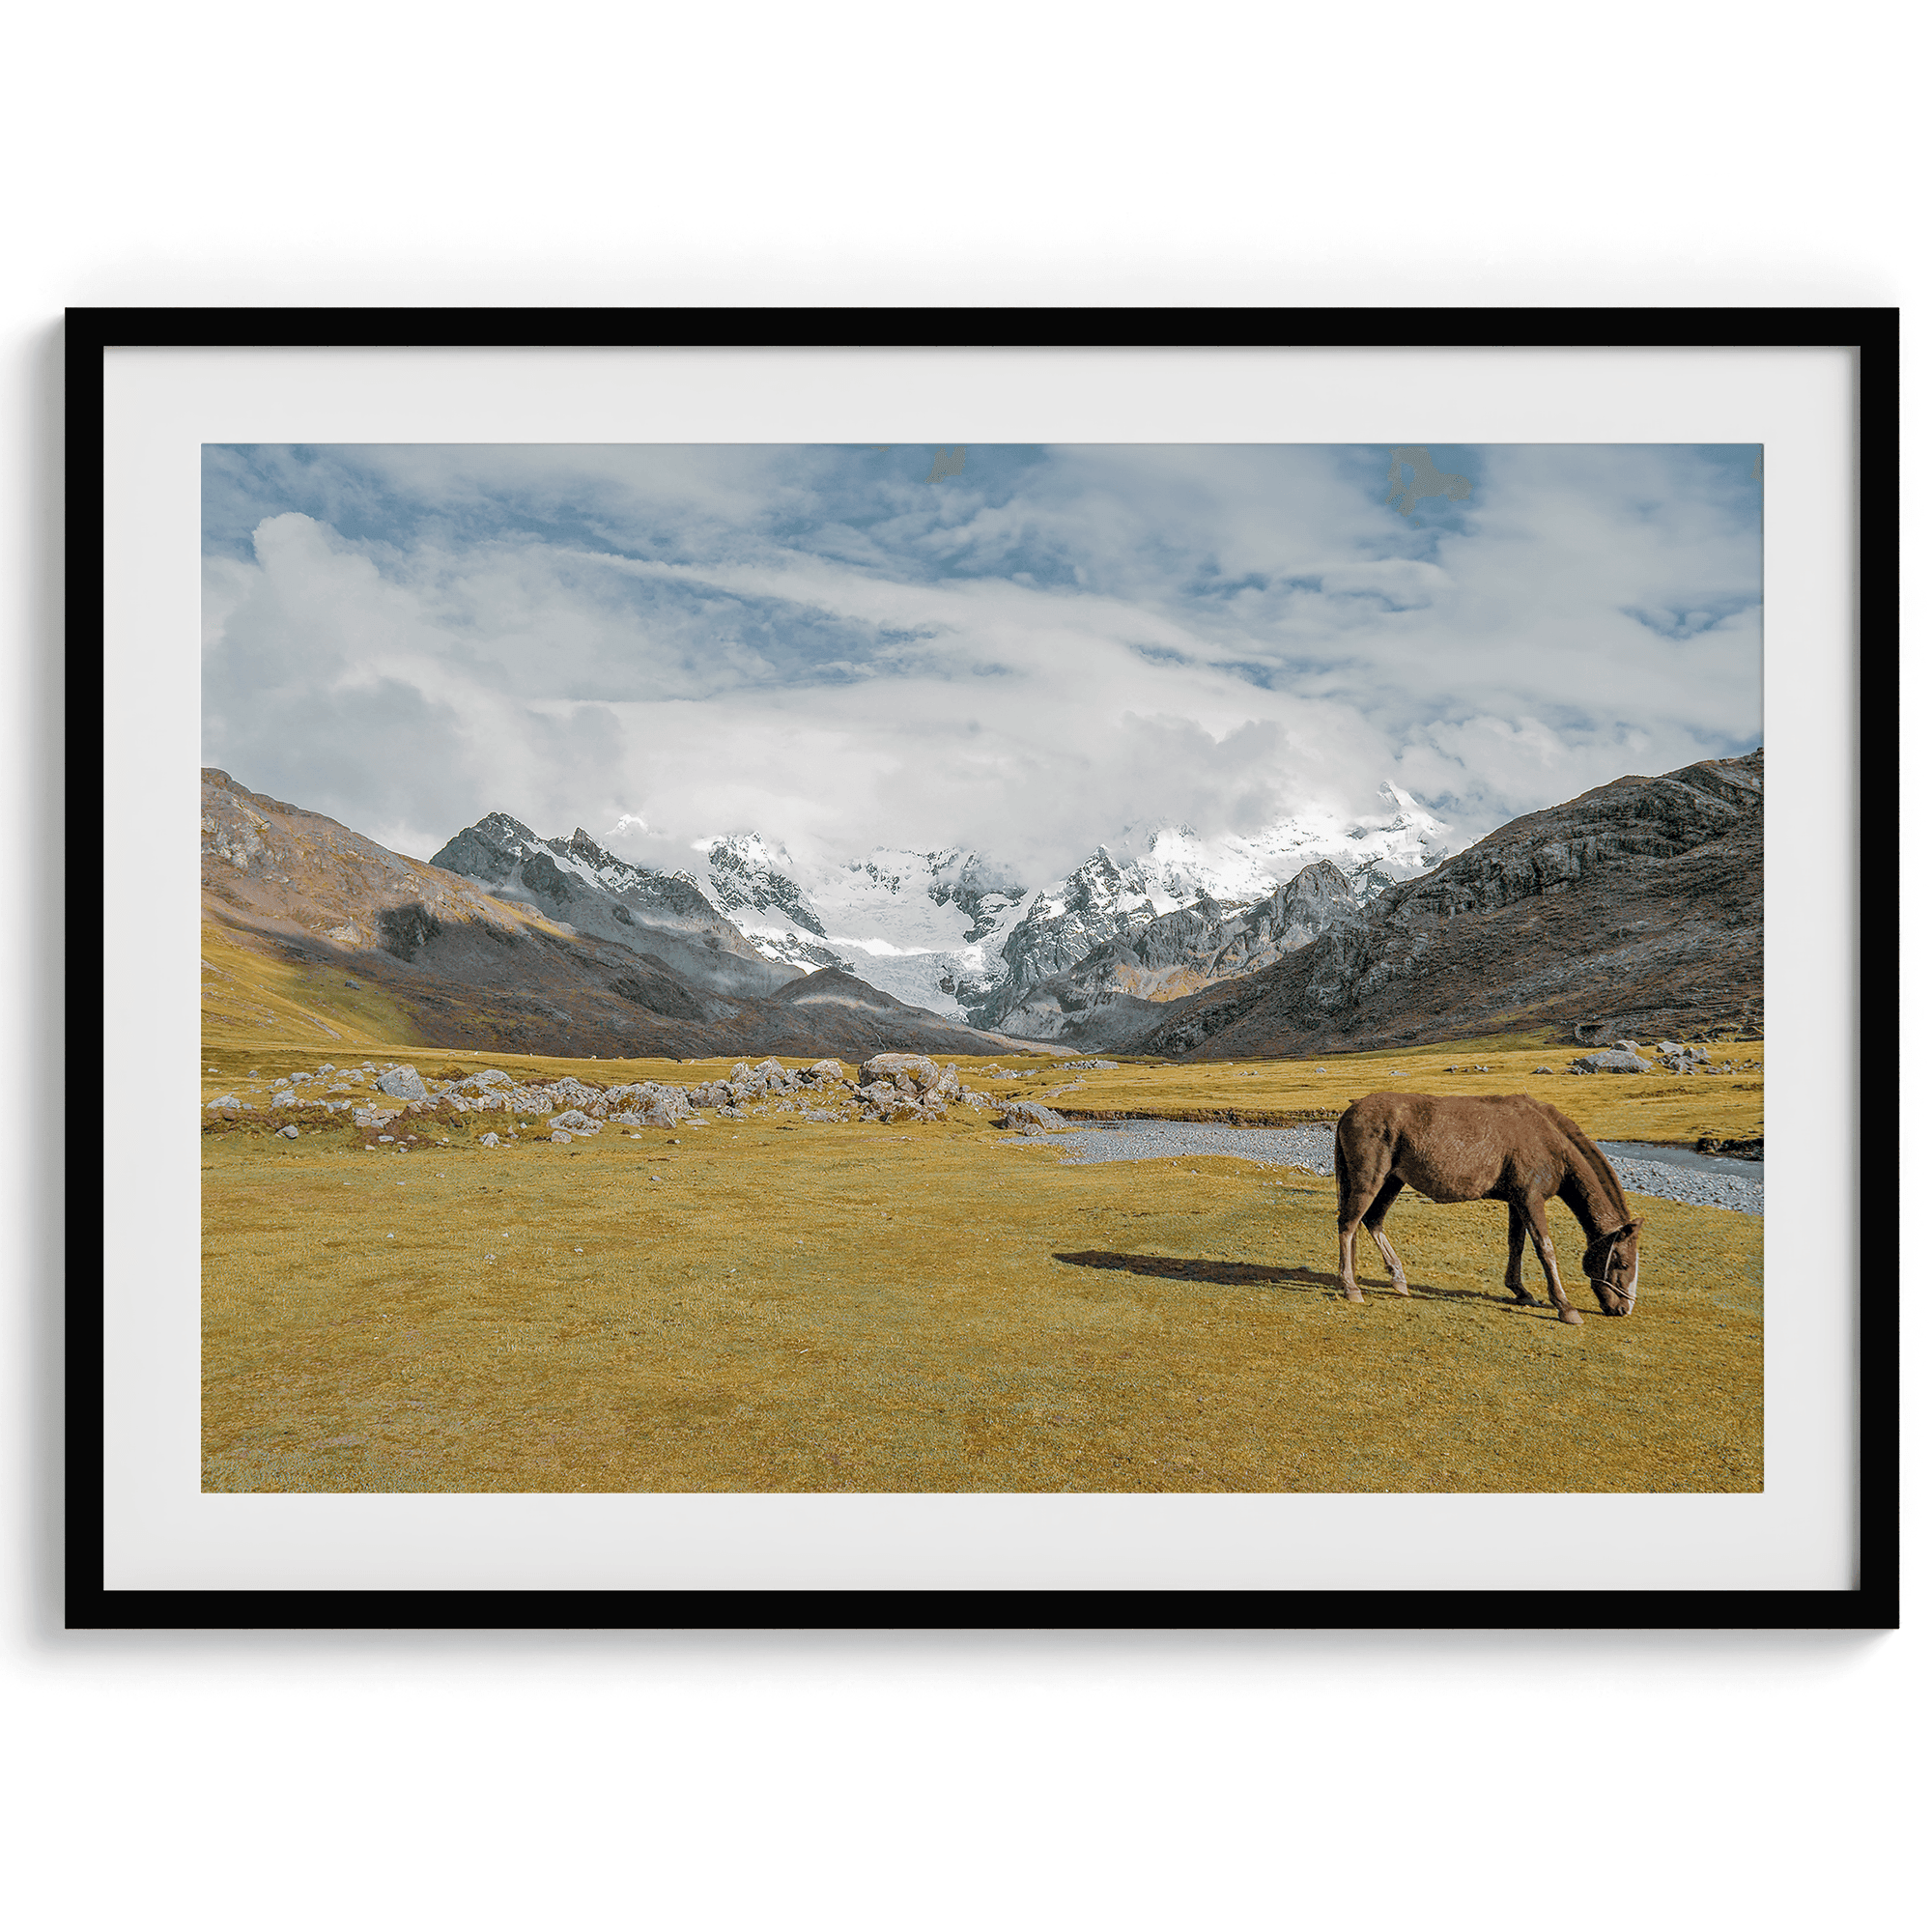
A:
[1611, 1262]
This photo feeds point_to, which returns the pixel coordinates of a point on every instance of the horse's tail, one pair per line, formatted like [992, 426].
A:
[1341, 1172]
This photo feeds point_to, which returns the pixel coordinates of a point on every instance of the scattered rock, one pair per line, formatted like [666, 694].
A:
[488, 1140]
[1542, 1070]
[226, 1100]
[290, 1132]
[575, 1122]
[1613, 1060]
[559, 1134]
[1029, 1117]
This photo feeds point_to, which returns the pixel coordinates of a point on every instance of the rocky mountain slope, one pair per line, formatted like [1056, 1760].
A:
[1115, 990]
[565, 952]
[1640, 903]
[594, 892]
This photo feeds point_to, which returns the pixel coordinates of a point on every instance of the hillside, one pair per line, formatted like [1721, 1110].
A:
[311, 926]
[1640, 903]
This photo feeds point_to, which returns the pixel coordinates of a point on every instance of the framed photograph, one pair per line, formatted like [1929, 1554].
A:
[985, 968]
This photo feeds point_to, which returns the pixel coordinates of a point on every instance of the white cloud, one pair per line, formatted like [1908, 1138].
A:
[676, 644]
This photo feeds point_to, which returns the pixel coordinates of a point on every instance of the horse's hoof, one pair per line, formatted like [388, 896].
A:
[1353, 1295]
[1572, 1320]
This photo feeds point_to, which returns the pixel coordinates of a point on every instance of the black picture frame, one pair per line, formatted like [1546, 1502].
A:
[1870, 333]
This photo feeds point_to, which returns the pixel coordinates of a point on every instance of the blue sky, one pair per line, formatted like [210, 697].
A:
[1020, 649]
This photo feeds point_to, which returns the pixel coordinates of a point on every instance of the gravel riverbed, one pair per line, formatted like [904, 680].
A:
[1312, 1148]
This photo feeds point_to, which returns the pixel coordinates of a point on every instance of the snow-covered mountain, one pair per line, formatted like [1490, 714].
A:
[916, 925]
[958, 934]
[955, 932]
[1370, 853]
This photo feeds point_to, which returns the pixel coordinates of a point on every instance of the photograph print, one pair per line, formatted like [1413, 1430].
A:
[981, 968]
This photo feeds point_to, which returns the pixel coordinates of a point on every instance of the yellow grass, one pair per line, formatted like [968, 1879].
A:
[254, 1001]
[793, 1306]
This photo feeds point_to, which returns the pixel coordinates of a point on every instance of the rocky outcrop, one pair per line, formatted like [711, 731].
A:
[1613, 1060]
[1638, 906]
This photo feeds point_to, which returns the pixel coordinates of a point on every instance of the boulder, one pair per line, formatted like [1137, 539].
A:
[1613, 1060]
[825, 1069]
[488, 1140]
[290, 1132]
[226, 1100]
[576, 1122]
[1029, 1117]
[921, 1073]
[402, 1083]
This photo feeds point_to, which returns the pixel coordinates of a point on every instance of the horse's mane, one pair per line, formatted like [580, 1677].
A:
[1599, 1164]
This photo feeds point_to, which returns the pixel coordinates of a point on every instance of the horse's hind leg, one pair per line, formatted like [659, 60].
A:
[1372, 1222]
[1512, 1275]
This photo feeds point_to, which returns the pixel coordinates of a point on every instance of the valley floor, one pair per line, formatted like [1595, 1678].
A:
[771, 1304]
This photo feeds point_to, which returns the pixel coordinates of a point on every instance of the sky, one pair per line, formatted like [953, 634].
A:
[1020, 651]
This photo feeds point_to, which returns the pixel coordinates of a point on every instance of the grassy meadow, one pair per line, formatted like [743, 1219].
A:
[775, 1304]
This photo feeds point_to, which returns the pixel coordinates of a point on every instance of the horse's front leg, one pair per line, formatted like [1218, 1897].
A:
[1531, 1210]
[1512, 1275]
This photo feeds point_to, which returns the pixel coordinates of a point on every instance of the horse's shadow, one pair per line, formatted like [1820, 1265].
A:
[1249, 1274]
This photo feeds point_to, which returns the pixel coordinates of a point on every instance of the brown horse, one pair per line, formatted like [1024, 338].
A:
[1498, 1147]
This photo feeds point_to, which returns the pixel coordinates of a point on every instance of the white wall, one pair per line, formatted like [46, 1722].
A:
[1454, 151]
